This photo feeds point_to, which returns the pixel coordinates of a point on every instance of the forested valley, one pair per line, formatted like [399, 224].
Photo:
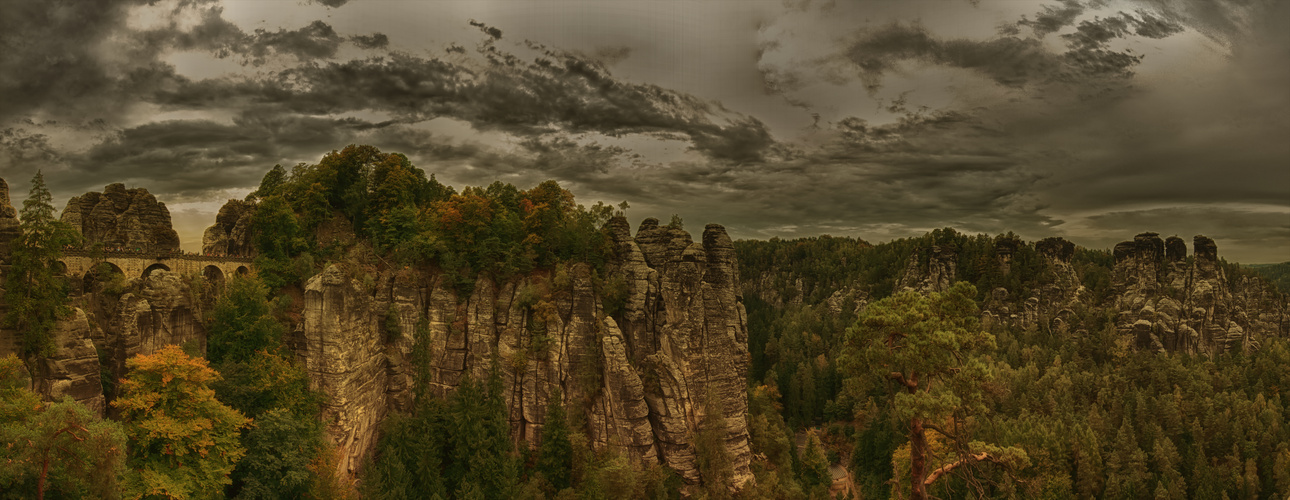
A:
[399, 338]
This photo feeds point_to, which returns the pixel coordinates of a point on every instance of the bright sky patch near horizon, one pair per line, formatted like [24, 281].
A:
[1088, 119]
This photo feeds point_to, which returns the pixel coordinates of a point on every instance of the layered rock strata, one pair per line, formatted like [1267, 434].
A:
[644, 376]
[118, 217]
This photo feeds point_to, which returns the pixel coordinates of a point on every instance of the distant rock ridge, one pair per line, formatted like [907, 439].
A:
[120, 217]
[1168, 303]
[1162, 300]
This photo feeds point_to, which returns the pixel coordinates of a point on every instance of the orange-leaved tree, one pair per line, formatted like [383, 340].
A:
[183, 442]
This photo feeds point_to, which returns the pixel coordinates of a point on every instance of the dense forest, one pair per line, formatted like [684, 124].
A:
[856, 376]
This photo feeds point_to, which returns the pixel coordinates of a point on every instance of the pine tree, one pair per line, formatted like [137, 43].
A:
[815, 465]
[36, 298]
[555, 454]
[925, 345]
[713, 459]
[60, 449]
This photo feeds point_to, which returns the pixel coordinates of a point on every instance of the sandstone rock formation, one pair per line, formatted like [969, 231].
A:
[1167, 302]
[73, 370]
[931, 269]
[644, 377]
[231, 233]
[8, 220]
[120, 217]
[1055, 294]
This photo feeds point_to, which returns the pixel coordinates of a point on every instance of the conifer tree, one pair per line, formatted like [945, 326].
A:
[35, 297]
[555, 454]
[59, 449]
[926, 346]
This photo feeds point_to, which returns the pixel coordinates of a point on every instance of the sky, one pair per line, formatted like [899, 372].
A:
[1093, 120]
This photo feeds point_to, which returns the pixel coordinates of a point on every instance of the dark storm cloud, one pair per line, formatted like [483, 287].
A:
[47, 55]
[19, 147]
[373, 41]
[1012, 60]
[284, 115]
[78, 62]
[189, 158]
[556, 92]
[1054, 18]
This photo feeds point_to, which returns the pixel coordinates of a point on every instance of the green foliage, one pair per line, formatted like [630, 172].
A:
[59, 450]
[927, 347]
[555, 455]
[183, 442]
[815, 465]
[458, 448]
[716, 470]
[279, 448]
[35, 298]
[497, 230]
[1277, 274]
[242, 324]
[1093, 419]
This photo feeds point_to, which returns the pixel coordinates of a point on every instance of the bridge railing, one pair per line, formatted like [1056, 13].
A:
[132, 254]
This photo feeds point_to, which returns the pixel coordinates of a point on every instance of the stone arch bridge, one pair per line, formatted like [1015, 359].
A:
[78, 263]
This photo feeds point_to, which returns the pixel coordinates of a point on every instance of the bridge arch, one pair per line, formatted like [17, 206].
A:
[100, 272]
[242, 270]
[59, 267]
[155, 267]
[214, 275]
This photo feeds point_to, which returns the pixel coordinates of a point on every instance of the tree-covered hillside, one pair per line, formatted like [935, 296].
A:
[1278, 274]
[1070, 412]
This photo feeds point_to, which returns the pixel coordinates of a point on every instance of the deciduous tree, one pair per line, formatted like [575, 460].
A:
[183, 442]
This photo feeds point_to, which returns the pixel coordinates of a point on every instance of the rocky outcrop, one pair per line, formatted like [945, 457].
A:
[931, 269]
[1166, 302]
[120, 217]
[644, 377]
[8, 220]
[231, 233]
[162, 310]
[73, 370]
[1055, 293]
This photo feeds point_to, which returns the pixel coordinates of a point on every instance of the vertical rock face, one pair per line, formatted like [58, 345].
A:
[8, 220]
[644, 377]
[73, 370]
[163, 312]
[937, 275]
[1168, 304]
[1056, 293]
[231, 233]
[120, 217]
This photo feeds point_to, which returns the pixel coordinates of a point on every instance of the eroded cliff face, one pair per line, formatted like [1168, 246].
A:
[644, 377]
[231, 232]
[8, 220]
[120, 217]
[936, 276]
[1168, 302]
[1051, 304]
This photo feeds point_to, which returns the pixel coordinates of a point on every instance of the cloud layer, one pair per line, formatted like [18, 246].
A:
[1075, 118]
